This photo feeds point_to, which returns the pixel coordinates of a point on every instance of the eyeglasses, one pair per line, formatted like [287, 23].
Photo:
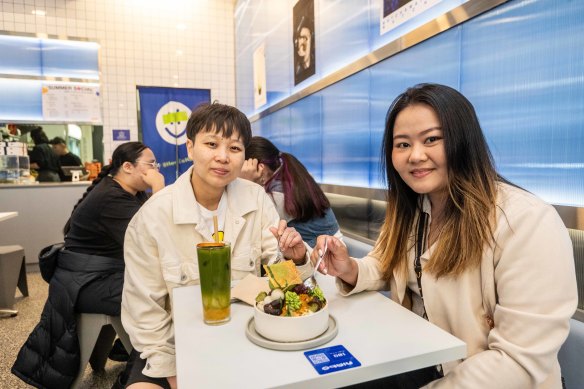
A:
[154, 165]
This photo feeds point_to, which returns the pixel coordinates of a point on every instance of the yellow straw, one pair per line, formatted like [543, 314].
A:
[216, 228]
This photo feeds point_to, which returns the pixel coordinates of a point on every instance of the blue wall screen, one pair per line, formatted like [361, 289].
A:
[520, 64]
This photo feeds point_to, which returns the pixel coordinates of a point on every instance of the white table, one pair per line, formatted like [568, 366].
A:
[386, 338]
[7, 215]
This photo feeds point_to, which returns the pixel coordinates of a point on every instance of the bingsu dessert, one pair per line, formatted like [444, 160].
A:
[291, 311]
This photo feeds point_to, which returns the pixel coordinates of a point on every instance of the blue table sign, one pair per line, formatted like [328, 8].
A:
[330, 359]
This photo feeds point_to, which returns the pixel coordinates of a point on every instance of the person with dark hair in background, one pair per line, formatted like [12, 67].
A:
[66, 157]
[160, 246]
[89, 275]
[304, 63]
[298, 198]
[483, 259]
[42, 157]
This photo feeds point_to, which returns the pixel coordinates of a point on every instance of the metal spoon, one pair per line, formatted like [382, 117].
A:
[310, 282]
[279, 255]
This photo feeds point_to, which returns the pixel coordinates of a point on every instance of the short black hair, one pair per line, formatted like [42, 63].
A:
[58, 141]
[219, 118]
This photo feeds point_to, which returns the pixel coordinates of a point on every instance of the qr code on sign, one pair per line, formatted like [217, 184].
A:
[319, 358]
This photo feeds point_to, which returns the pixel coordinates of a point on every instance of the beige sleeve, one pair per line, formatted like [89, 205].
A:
[537, 295]
[145, 314]
[370, 277]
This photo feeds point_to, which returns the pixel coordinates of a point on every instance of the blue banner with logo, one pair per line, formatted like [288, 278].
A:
[164, 113]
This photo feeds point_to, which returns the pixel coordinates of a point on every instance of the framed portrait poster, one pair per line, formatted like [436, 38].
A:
[303, 40]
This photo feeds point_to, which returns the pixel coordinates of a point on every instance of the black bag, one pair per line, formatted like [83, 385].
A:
[48, 260]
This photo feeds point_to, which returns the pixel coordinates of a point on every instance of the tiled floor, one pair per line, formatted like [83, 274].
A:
[14, 331]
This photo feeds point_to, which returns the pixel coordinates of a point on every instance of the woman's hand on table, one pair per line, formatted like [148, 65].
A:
[336, 261]
[290, 241]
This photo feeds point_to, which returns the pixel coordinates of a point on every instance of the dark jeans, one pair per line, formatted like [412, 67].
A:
[103, 295]
[410, 380]
[133, 373]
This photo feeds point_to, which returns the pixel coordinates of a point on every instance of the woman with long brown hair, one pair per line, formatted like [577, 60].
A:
[465, 249]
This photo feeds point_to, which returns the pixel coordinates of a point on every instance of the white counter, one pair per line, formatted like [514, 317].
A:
[43, 209]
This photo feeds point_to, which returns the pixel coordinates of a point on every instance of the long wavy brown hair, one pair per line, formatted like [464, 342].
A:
[469, 214]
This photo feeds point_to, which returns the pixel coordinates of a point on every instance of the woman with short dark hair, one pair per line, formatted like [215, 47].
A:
[207, 202]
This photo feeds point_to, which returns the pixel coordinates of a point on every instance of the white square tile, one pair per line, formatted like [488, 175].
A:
[8, 7]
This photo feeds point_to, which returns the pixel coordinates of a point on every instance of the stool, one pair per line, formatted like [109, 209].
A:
[12, 275]
[96, 334]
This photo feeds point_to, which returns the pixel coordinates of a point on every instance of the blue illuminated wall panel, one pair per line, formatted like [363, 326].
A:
[523, 69]
[346, 131]
[20, 100]
[20, 56]
[520, 64]
[342, 34]
[306, 138]
[269, 23]
[70, 59]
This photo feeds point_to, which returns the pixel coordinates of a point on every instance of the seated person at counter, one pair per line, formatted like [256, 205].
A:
[90, 272]
[42, 157]
[298, 198]
[160, 245]
[462, 247]
[66, 157]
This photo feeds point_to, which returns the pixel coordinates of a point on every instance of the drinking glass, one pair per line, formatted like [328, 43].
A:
[215, 278]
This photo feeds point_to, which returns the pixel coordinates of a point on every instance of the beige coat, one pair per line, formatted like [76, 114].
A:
[526, 285]
[160, 254]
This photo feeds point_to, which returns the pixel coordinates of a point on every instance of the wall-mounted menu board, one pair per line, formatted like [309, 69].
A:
[69, 102]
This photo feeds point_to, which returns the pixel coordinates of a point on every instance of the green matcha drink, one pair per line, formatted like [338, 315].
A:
[215, 278]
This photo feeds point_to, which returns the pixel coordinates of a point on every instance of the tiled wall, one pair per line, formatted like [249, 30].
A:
[171, 43]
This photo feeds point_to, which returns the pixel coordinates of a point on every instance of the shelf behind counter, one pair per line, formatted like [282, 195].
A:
[43, 209]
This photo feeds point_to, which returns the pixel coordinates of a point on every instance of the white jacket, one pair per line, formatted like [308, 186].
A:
[160, 254]
[526, 285]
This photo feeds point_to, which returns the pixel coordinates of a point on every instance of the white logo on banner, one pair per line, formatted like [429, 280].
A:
[171, 122]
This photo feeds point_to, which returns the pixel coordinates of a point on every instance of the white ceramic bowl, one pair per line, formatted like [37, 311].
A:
[291, 329]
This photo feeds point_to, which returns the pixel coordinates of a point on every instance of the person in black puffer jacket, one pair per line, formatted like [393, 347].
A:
[50, 357]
